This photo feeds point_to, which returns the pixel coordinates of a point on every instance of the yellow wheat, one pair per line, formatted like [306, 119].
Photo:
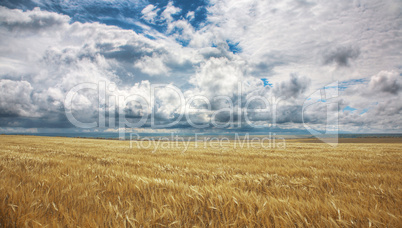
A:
[67, 182]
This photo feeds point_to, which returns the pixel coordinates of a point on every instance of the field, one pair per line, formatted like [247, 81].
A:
[70, 182]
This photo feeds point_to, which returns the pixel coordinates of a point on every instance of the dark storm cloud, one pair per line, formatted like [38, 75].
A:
[289, 114]
[130, 53]
[49, 121]
[386, 82]
[15, 98]
[293, 88]
[268, 63]
[341, 55]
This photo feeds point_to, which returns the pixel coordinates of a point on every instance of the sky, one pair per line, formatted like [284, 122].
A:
[200, 66]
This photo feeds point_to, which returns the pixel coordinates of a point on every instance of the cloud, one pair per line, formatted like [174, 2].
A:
[19, 130]
[293, 88]
[35, 20]
[190, 15]
[169, 11]
[149, 13]
[341, 56]
[386, 82]
[57, 58]
[15, 99]
[375, 101]
[218, 76]
[44, 54]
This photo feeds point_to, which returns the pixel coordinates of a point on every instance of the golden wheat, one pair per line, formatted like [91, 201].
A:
[67, 182]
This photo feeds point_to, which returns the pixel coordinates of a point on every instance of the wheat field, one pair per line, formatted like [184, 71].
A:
[70, 182]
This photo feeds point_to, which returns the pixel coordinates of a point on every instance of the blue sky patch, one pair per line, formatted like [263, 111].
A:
[266, 82]
[364, 111]
[345, 84]
[349, 109]
[120, 14]
[233, 47]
